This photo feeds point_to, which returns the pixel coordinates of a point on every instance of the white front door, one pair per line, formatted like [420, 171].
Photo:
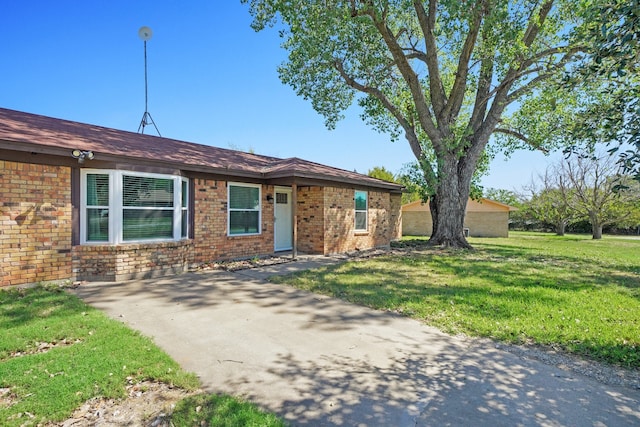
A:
[283, 227]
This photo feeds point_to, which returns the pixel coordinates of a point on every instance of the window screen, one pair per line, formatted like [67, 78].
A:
[184, 207]
[361, 210]
[148, 208]
[141, 191]
[244, 209]
[142, 224]
[97, 211]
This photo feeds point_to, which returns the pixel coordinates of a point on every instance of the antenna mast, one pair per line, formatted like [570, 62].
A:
[145, 34]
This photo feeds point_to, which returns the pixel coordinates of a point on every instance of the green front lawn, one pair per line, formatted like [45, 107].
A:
[572, 292]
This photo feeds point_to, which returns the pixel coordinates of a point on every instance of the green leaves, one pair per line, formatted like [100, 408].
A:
[613, 42]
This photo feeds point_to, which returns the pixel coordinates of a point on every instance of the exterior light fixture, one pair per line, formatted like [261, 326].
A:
[82, 155]
[269, 198]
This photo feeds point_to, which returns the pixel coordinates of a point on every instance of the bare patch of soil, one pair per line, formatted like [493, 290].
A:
[148, 404]
[43, 347]
[6, 397]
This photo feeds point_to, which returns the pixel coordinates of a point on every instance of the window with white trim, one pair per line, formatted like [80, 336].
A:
[244, 209]
[123, 207]
[361, 204]
[184, 210]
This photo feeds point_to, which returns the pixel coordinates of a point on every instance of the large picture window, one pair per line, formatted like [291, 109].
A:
[121, 206]
[361, 210]
[244, 209]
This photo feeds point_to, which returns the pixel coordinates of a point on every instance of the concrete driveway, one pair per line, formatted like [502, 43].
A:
[317, 361]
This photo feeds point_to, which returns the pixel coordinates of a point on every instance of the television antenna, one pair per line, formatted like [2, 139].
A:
[145, 35]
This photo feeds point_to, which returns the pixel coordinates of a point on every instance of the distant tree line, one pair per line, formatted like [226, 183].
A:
[581, 193]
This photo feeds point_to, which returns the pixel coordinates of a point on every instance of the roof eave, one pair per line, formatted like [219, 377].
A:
[26, 147]
[394, 188]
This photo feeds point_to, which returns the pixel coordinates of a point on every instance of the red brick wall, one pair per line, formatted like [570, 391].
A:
[142, 260]
[131, 261]
[311, 220]
[326, 220]
[339, 212]
[35, 223]
[340, 233]
[210, 223]
[395, 201]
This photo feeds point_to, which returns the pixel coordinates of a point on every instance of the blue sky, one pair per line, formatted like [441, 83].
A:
[212, 80]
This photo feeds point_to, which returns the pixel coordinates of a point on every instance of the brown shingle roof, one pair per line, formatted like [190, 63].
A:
[30, 132]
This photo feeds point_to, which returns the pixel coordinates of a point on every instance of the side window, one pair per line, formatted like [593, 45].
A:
[361, 204]
[244, 209]
[97, 207]
[184, 209]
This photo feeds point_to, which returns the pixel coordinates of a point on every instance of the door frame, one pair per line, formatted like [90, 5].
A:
[289, 192]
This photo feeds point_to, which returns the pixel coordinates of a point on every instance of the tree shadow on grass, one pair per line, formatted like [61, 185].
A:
[622, 273]
[530, 298]
[19, 307]
[588, 271]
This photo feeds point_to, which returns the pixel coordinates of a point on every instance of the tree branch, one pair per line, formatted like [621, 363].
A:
[482, 94]
[416, 54]
[395, 112]
[501, 99]
[427, 24]
[484, 86]
[521, 137]
[456, 96]
[541, 77]
[410, 77]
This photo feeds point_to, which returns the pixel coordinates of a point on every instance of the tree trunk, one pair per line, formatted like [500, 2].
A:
[448, 208]
[560, 227]
[596, 230]
[596, 226]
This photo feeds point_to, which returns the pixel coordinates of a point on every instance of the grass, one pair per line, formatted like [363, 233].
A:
[222, 411]
[571, 292]
[56, 353]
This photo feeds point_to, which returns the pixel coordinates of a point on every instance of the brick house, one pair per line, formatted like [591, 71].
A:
[483, 218]
[84, 202]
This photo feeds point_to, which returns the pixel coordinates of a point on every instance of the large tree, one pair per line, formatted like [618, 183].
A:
[549, 200]
[593, 187]
[442, 73]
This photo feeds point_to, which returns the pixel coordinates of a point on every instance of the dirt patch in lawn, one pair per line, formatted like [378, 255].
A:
[6, 397]
[147, 404]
